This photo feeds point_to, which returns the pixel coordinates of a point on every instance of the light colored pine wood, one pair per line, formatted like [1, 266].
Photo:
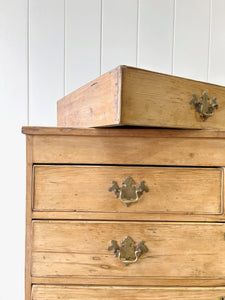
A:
[104, 100]
[85, 188]
[124, 293]
[177, 251]
[162, 100]
[28, 247]
[128, 150]
[78, 215]
[143, 98]
[122, 132]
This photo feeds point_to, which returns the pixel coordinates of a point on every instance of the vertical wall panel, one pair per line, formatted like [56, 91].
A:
[192, 38]
[13, 114]
[156, 35]
[46, 60]
[83, 32]
[119, 33]
[217, 43]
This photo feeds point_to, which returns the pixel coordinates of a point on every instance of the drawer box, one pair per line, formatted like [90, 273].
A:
[131, 96]
[123, 293]
[195, 191]
[76, 252]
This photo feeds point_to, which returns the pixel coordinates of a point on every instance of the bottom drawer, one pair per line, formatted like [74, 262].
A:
[125, 293]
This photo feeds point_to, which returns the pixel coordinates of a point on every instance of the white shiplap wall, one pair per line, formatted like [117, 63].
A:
[48, 48]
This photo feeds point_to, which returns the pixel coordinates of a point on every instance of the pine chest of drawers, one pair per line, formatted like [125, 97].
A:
[125, 214]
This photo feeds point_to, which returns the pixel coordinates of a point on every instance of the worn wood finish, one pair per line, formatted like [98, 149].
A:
[176, 251]
[85, 188]
[124, 293]
[139, 97]
[28, 246]
[93, 105]
[124, 132]
[182, 254]
[129, 150]
[80, 215]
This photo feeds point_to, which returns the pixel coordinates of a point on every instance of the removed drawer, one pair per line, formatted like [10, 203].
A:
[166, 190]
[132, 96]
[124, 293]
[82, 252]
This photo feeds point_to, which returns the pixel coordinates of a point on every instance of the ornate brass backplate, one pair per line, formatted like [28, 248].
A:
[128, 252]
[128, 193]
[204, 106]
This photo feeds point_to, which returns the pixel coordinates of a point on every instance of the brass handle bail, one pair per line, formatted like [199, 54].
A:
[128, 193]
[204, 106]
[128, 253]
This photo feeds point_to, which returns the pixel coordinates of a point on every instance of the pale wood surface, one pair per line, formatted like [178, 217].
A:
[85, 188]
[132, 150]
[28, 246]
[188, 251]
[124, 132]
[92, 104]
[124, 293]
[145, 98]
[80, 215]
[156, 99]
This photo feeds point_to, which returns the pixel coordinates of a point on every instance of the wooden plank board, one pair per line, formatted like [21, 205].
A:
[122, 132]
[191, 44]
[123, 293]
[85, 188]
[142, 151]
[108, 104]
[82, 42]
[119, 33]
[139, 97]
[155, 35]
[46, 60]
[154, 99]
[177, 251]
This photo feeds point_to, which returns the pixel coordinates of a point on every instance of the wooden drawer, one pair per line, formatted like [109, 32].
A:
[125, 293]
[76, 252]
[131, 96]
[80, 189]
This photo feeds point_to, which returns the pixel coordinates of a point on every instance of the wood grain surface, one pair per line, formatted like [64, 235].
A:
[128, 150]
[132, 96]
[124, 293]
[85, 188]
[177, 251]
[154, 99]
[94, 104]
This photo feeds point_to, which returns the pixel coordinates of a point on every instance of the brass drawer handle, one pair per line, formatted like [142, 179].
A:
[128, 193]
[128, 253]
[204, 106]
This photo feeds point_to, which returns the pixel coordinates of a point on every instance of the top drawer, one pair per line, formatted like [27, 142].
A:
[131, 96]
[167, 192]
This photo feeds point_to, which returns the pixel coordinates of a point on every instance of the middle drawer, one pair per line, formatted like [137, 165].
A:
[139, 191]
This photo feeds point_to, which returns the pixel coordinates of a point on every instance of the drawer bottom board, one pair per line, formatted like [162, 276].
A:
[124, 293]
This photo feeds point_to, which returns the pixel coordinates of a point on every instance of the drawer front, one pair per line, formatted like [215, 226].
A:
[178, 253]
[124, 293]
[195, 191]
